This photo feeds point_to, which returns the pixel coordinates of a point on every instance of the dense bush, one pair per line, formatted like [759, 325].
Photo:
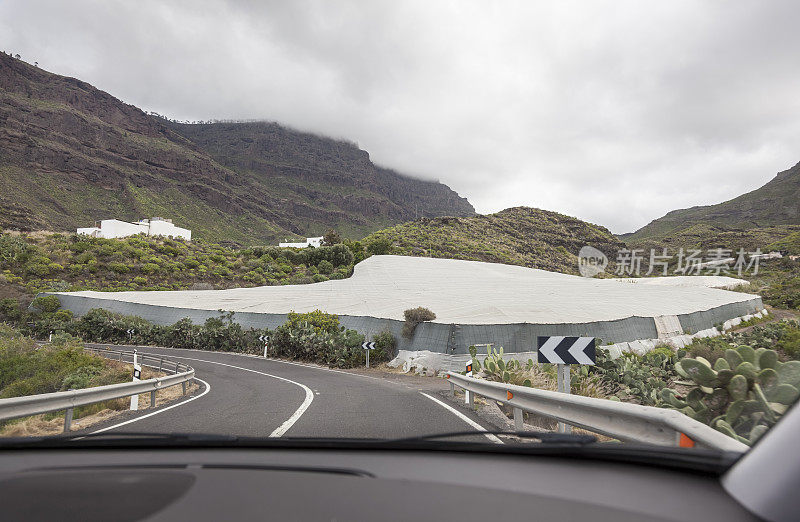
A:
[67, 263]
[385, 345]
[637, 378]
[413, 317]
[26, 369]
[318, 337]
[46, 303]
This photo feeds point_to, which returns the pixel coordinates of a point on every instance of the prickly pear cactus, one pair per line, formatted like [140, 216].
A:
[496, 369]
[742, 395]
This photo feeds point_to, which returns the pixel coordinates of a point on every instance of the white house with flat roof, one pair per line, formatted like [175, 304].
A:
[114, 229]
[309, 242]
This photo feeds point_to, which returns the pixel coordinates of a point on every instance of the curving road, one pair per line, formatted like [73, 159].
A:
[251, 396]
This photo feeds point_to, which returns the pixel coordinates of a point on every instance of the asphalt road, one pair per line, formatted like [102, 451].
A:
[251, 396]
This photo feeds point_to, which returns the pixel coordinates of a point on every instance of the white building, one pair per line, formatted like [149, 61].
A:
[310, 241]
[114, 228]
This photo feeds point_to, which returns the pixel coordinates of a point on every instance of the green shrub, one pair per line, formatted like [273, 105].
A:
[47, 303]
[317, 319]
[413, 317]
[38, 269]
[379, 247]
[119, 268]
[385, 346]
[150, 268]
[318, 340]
[637, 378]
[325, 267]
[10, 310]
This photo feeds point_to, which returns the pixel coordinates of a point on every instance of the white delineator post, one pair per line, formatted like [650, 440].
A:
[467, 395]
[564, 386]
[137, 373]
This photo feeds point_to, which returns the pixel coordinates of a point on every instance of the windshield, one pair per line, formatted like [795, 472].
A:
[452, 225]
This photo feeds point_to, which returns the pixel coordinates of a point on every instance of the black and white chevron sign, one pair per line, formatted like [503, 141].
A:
[556, 349]
[368, 346]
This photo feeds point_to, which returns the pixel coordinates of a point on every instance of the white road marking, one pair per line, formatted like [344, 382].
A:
[463, 417]
[283, 428]
[259, 357]
[208, 389]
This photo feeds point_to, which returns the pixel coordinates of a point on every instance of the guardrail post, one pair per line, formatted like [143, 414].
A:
[518, 419]
[176, 368]
[153, 399]
[160, 364]
[183, 385]
[67, 419]
[471, 400]
[119, 356]
[452, 389]
[564, 386]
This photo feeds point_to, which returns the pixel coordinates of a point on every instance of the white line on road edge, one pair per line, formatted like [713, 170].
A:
[208, 389]
[283, 428]
[466, 419]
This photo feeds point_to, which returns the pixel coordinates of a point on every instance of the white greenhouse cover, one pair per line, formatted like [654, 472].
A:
[462, 292]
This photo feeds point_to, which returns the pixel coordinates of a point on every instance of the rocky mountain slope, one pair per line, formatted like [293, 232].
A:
[772, 209]
[516, 236]
[71, 154]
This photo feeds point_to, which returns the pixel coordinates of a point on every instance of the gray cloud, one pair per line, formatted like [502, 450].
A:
[616, 112]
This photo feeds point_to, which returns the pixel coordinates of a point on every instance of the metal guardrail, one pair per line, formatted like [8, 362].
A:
[28, 405]
[623, 421]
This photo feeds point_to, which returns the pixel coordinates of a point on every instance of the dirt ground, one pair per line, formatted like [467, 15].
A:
[775, 315]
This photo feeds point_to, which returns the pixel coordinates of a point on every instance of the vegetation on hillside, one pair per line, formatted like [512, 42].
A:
[27, 368]
[739, 383]
[68, 262]
[315, 337]
[516, 236]
[775, 203]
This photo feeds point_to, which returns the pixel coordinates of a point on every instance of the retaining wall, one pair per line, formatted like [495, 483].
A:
[438, 337]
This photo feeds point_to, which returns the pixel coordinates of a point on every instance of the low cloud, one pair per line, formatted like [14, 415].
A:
[615, 112]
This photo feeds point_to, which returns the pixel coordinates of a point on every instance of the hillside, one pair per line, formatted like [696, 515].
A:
[71, 154]
[777, 203]
[33, 263]
[516, 236]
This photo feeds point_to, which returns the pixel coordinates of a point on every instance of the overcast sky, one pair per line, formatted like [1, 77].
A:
[615, 112]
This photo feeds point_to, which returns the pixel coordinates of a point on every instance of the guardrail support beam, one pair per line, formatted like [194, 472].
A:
[153, 399]
[452, 389]
[183, 385]
[67, 419]
[518, 425]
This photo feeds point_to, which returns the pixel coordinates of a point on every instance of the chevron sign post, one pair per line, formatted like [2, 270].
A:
[368, 346]
[563, 351]
[566, 350]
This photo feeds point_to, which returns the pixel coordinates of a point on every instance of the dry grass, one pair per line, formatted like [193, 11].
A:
[47, 424]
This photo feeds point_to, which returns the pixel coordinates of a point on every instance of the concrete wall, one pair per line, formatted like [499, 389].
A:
[114, 228]
[438, 337]
[165, 228]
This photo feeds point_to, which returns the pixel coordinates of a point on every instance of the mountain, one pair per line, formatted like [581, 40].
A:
[515, 236]
[770, 210]
[71, 154]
